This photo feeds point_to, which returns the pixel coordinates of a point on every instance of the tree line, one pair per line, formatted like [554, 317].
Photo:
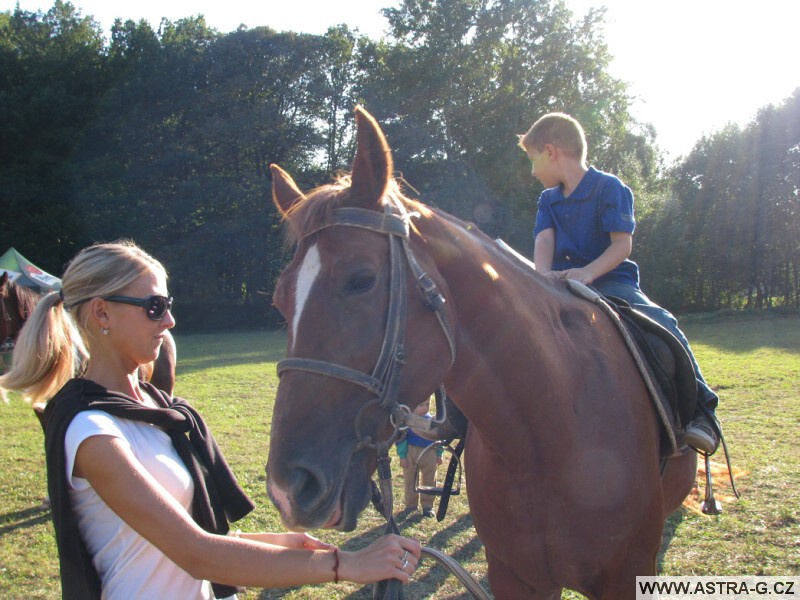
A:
[165, 136]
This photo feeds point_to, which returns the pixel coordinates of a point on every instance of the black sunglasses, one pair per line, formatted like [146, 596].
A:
[155, 307]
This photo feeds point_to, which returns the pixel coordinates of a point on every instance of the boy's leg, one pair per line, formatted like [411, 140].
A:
[700, 432]
[427, 470]
[410, 479]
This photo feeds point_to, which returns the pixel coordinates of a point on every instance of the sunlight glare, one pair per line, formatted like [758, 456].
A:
[491, 272]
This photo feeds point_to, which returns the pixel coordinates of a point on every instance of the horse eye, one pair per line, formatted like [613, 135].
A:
[360, 282]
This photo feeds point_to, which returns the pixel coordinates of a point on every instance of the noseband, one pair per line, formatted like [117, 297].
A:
[384, 380]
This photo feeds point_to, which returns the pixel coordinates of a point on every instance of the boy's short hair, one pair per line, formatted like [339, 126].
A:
[558, 129]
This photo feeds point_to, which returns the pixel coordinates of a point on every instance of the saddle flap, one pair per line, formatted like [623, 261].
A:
[667, 357]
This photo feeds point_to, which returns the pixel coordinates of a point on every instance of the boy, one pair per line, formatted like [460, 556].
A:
[584, 231]
[410, 449]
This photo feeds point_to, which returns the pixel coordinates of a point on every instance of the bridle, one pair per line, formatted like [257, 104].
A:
[384, 380]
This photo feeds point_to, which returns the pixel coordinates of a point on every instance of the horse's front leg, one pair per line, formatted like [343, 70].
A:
[620, 583]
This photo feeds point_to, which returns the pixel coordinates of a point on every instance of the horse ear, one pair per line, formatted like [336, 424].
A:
[372, 166]
[285, 192]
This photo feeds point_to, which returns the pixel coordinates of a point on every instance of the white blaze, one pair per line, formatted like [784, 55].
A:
[305, 281]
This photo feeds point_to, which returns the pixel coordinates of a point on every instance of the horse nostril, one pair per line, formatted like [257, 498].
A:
[308, 487]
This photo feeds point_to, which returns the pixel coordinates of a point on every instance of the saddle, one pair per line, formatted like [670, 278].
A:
[663, 362]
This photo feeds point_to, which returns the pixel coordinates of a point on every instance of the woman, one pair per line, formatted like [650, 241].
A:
[141, 495]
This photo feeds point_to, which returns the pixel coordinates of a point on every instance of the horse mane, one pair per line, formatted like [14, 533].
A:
[23, 300]
[315, 209]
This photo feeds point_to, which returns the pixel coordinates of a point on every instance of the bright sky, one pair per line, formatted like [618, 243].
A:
[693, 65]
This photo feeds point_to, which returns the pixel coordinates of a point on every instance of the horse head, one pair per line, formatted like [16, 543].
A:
[351, 361]
[16, 305]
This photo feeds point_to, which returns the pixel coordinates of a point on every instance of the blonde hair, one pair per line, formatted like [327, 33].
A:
[558, 129]
[52, 345]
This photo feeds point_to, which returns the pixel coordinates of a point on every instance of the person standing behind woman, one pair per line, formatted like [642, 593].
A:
[141, 494]
[417, 463]
[584, 231]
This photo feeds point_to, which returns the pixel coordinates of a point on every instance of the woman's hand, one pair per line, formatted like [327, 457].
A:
[388, 557]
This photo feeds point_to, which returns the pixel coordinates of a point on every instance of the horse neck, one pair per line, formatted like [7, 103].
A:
[500, 305]
[506, 319]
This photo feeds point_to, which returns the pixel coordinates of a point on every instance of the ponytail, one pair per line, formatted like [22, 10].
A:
[52, 345]
[48, 353]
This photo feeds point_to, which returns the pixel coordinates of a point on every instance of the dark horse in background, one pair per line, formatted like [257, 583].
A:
[565, 479]
[16, 305]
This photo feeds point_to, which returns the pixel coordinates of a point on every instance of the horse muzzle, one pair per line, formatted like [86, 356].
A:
[307, 499]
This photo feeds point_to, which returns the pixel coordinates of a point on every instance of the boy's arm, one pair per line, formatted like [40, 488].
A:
[543, 249]
[619, 250]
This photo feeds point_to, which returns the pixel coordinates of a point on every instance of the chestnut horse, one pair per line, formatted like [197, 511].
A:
[566, 485]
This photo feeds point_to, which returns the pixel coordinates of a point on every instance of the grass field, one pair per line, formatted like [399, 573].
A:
[754, 361]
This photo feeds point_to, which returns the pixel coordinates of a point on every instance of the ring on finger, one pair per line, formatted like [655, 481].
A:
[404, 555]
[405, 564]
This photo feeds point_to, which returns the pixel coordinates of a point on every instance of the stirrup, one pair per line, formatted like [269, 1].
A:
[434, 490]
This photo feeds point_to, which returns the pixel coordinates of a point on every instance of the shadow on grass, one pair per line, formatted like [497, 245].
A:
[670, 528]
[198, 352]
[437, 575]
[744, 332]
[226, 360]
[22, 519]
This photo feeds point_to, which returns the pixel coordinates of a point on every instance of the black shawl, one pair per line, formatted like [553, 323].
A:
[218, 497]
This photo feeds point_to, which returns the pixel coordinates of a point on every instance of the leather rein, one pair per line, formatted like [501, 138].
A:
[384, 381]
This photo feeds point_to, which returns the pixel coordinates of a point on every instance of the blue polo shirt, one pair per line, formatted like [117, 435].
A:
[583, 222]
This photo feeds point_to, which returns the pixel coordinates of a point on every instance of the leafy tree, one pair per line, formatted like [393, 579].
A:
[178, 156]
[166, 135]
[464, 77]
[734, 217]
[341, 67]
[51, 75]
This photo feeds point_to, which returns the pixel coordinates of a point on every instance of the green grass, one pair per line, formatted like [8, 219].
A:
[754, 361]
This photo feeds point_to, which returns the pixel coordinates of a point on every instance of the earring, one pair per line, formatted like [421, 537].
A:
[104, 330]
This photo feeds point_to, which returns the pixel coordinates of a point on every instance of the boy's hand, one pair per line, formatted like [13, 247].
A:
[404, 463]
[581, 275]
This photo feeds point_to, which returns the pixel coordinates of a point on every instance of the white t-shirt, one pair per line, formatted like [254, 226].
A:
[129, 566]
